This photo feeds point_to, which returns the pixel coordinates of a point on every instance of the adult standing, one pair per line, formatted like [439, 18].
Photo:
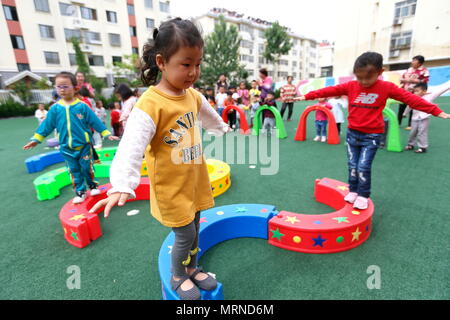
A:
[265, 83]
[417, 73]
[287, 95]
[222, 82]
[81, 82]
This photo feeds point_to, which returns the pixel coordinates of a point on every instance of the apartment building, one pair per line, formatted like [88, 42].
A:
[399, 30]
[326, 57]
[302, 62]
[35, 34]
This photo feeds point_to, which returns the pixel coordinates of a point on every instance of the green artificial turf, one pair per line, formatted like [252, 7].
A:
[409, 242]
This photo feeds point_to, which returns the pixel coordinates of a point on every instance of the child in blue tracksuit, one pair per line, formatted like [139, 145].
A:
[73, 120]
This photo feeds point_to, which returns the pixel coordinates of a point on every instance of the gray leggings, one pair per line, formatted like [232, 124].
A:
[184, 251]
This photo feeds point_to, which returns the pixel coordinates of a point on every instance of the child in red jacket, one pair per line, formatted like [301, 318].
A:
[115, 120]
[367, 97]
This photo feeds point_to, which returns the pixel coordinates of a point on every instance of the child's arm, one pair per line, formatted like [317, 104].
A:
[125, 172]
[210, 119]
[46, 127]
[339, 90]
[438, 92]
[413, 101]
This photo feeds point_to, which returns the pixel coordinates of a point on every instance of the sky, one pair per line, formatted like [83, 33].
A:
[304, 17]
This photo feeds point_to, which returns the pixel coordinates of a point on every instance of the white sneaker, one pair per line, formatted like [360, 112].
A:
[351, 197]
[317, 138]
[79, 198]
[95, 192]
[361, 203]
[324, 139]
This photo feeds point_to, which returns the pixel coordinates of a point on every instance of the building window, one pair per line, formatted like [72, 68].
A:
[51, 57]
[23, 66]
[17, 42]
[261, 34]
[294, 75]
[312, 44]
[95, 60]
[404, 9]
[150, 23]
[72, 59]
[114, 39]
[282, 74]
[67, 9]
[260, 48]
[10, 13]
[92, 37]
[134, 50]
[245, 28]
[111, 16]
[164, 6]
[133, 32]
[283, 62]
[401, 40]
[71, 33]
[88, 13]
[41, 5]
[130, 8]
[246, 44]
[116, 59]
[47, 32]
[294, 63]
[149, 4]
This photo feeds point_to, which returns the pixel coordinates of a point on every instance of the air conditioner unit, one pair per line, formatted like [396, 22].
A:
[85, 47]
[398, 22]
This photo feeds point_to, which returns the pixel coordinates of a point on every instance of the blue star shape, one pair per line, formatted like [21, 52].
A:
[241, 209]
[317, 222]
[367, 228]
[319, 241]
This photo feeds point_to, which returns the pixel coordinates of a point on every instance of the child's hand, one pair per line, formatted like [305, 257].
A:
[300, 98]
[118, 198]
[113, 138]
[30, 145]
[444, 115]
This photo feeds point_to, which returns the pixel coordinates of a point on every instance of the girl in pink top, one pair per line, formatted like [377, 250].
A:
[265, 84]
[243, 93]
[322, 120]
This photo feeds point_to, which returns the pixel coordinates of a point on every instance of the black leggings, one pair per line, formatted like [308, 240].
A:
[290, 105]
[401, 110]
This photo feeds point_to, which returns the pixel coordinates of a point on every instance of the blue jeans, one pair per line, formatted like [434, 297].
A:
[321, 127]
[361, 150]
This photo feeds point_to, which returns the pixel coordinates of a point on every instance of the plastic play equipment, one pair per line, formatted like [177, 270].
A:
[217, 225]
[41, 161]
[244, 129]
[257, 125]
[342, 230]
[219, 176]
[49, 184]
[81, 227]
[393, 140]
[333, 134]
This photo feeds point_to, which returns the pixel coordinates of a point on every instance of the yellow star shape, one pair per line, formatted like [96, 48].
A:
[77, 217]
[292, 219]
[356, 234]
[356, 212]
[343, 188]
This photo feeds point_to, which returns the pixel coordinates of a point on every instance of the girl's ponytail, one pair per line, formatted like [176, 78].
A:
[149, 69]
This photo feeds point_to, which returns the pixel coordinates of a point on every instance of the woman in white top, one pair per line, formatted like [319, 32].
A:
[125, 95]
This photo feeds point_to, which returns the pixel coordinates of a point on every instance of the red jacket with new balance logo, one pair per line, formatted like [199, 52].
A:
[365, 105]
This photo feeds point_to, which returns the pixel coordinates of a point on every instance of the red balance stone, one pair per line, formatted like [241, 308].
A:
[341, 230]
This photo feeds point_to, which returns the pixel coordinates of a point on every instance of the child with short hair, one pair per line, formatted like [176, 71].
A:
[115, 119]
[164, 125]
[367, 97]
[231, 113]
[420, 120]
[268, 116]
[100, 112]
[40, 113]
[73, 119]
[254, 90]
[321, 121]
[220, 99]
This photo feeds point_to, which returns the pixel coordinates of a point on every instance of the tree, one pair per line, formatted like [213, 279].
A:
[128, 70]
[221, 55]
[278, 44]
[80, 58]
